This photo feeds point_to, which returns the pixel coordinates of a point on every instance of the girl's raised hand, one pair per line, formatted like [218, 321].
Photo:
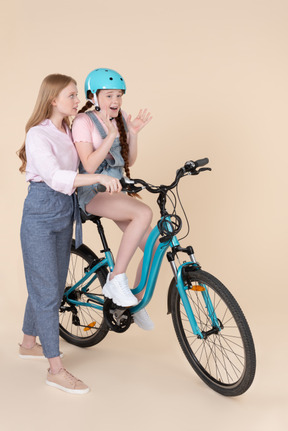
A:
[105, 117]
[139, 122]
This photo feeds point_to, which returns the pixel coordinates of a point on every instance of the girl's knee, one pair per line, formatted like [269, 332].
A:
[146, 213]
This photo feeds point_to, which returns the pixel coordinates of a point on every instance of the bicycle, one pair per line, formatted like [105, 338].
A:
[210, 325]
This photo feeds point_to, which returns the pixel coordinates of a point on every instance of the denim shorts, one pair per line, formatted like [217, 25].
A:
[86, 193]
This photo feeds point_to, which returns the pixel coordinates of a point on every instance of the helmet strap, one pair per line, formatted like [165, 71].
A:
[95, 101]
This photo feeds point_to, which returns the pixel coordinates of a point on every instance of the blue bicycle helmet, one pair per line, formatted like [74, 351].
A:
[104, 79]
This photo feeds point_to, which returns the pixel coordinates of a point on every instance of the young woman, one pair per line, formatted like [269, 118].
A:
[106, 142]
[50, 161]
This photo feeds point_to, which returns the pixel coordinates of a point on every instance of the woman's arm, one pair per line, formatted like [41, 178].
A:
[43, 162]
[112, 184]
[56, 169]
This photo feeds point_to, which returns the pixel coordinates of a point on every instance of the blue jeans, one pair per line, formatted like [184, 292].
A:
[46, 234]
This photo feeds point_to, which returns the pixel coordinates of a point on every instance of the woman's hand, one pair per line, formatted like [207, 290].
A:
[112, 184]
[139, 122]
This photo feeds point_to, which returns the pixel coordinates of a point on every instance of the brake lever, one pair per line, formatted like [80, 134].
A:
[129, 187]
[135, 189]
[204, 169]
[196, 172]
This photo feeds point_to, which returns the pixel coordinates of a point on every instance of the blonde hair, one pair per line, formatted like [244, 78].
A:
[50, 88]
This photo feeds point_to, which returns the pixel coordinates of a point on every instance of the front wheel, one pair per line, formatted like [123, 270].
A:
[225, 360]
[83, 325]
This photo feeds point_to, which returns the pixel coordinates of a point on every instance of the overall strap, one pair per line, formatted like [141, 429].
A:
[99, 126]
[97, 123]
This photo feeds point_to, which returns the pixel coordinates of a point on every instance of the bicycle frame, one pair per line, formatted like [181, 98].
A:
[150, 271]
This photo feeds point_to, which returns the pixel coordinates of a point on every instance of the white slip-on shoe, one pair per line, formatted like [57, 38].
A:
[118, 290]
[142, 319]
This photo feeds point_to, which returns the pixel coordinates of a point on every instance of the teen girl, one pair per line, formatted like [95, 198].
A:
[50, 161]
[106, 141]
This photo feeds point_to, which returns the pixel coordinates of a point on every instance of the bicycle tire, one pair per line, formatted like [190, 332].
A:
[89, 327]
[226, 361]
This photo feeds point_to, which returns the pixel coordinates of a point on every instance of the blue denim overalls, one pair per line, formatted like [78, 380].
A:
[111, 166]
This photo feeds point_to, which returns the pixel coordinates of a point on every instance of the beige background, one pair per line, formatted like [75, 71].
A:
[214, 75]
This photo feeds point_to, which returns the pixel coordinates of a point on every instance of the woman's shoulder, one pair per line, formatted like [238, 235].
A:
[39, 129]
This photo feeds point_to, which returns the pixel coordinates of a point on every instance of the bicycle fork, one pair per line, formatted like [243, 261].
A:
[182, 289]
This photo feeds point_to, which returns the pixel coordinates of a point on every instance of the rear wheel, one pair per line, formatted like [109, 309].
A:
[225, 360]
[83, 325]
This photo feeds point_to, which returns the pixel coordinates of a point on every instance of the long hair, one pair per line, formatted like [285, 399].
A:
[50, 88]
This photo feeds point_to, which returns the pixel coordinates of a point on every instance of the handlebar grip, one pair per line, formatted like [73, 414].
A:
[191, 166]
[201, 162]
[99, 188]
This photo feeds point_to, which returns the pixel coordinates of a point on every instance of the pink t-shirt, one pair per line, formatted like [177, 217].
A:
[84, 130]
[51, 157]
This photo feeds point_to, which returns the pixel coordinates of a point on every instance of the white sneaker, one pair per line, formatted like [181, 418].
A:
[142, 319]
[118, 290]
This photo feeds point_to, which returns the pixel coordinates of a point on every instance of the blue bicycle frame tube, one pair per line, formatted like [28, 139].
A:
[150, 265]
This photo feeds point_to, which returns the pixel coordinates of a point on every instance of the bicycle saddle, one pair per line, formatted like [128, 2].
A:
[85, 217]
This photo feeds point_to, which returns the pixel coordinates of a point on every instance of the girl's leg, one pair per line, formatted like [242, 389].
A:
[134, 217]
[123, 226]
[141, 318]
[137, 216]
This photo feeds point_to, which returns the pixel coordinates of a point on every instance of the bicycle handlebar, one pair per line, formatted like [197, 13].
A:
[189, 168]
[128, 184]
